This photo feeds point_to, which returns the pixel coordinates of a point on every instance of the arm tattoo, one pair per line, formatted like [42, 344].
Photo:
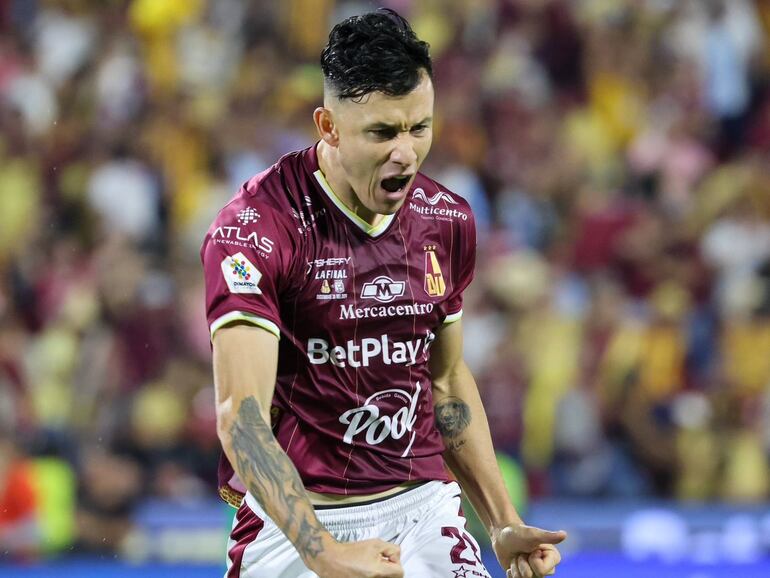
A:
[271, 477]
[452, 418]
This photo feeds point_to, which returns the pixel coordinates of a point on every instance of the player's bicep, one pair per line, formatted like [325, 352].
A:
[245, 365]
[446, 358]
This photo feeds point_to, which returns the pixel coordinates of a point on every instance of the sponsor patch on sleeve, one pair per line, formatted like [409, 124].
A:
[240, 274]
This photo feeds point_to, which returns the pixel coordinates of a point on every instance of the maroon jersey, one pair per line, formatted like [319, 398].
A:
[356, 309]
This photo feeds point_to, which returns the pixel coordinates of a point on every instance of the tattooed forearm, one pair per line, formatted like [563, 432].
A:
[452, 419]
[271, 477]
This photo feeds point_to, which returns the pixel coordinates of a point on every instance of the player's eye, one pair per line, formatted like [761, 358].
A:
[419, 129]
[383, 133]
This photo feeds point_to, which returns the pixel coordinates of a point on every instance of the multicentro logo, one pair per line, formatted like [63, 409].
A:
[383, 289]
[441, 213]
[434, 200]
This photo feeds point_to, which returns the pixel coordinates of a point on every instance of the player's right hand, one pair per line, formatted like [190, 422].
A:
[366, 559]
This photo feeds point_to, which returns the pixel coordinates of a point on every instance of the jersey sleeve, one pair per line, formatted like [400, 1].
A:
[463, 266]
[248, 259]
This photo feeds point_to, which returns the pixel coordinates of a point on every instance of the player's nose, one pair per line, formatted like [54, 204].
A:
[403, 152]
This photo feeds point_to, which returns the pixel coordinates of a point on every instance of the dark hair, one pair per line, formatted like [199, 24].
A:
[374, 52]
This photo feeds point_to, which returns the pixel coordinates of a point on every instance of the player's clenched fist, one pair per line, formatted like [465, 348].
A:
[366, 559]
[527, 552]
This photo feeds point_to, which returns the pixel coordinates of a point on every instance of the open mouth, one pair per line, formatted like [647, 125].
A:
[395, 184]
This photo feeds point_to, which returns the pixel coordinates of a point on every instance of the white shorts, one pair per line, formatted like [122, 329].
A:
[426, 522]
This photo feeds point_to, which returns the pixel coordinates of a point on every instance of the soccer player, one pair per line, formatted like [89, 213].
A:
[334, 296]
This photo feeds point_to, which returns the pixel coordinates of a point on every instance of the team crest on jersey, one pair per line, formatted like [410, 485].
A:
[420, 194]
[383, 289]
[434, 279]
[240, 274]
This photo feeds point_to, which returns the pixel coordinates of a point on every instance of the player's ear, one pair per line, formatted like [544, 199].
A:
[324, 123]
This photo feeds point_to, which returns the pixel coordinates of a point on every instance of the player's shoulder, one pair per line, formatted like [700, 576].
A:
[429, 200]
[283, 184]
[266, 194]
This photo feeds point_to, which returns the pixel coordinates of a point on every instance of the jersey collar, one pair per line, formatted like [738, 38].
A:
[371, 230]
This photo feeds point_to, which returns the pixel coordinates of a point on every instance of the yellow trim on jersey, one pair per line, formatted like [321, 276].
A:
[233, 498]
[248, 318]
[371, 230]
[453, 317]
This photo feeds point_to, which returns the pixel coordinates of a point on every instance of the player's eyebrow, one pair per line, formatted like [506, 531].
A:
[386, 126]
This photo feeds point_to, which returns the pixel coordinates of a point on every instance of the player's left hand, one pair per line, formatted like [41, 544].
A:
[527, 552]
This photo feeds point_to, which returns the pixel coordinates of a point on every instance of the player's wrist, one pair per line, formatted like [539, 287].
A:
[494, 530]
[501, 514]
[329, 551]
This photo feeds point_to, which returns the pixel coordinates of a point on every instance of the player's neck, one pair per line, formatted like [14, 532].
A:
[332, 171]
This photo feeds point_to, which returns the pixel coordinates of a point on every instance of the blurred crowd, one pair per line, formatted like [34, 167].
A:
[616, 154]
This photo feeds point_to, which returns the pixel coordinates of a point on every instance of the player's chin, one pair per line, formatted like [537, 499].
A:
[390, 202]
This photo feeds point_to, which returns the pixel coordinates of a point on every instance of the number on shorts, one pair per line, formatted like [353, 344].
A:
[463, 541]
